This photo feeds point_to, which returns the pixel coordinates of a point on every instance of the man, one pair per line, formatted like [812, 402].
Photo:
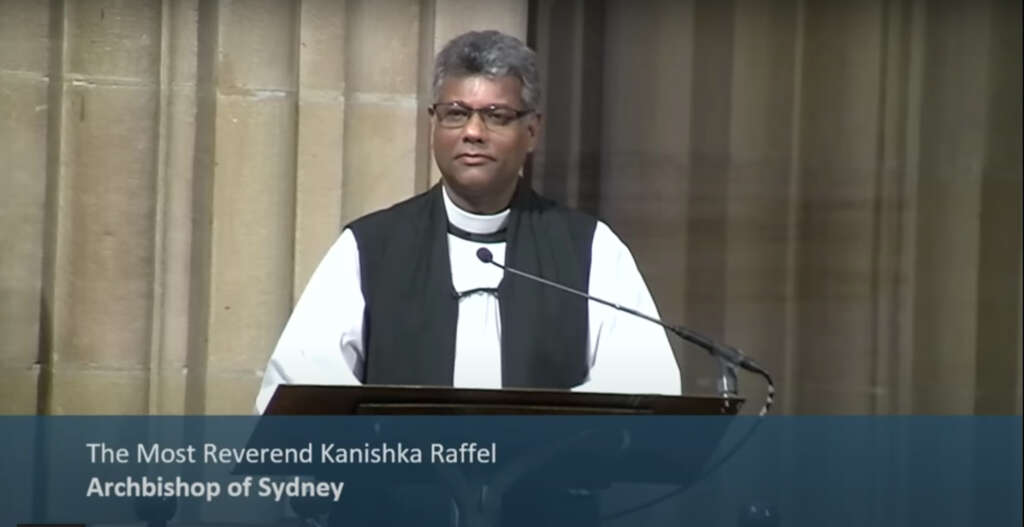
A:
[401, 297]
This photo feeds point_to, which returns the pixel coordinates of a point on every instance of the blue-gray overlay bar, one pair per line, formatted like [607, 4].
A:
[513, 470]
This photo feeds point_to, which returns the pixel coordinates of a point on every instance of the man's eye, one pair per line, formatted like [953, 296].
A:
[501, 116]
[456, 113]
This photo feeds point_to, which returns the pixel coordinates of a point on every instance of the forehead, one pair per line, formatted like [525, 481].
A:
[479, 90]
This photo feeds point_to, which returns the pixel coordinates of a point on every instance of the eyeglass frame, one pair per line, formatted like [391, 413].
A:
[519, 114]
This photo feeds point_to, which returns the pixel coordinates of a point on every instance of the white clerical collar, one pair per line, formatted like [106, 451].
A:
[474, 223]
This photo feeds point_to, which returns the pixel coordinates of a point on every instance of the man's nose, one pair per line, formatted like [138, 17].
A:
[474, 130]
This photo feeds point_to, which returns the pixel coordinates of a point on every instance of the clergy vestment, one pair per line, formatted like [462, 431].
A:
[325, 340]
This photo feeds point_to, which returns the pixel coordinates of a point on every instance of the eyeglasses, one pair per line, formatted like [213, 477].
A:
[456, 115]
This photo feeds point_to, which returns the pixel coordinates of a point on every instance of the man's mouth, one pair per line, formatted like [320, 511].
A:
[474, 159]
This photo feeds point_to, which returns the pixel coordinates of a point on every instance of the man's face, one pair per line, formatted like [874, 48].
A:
[480, 160]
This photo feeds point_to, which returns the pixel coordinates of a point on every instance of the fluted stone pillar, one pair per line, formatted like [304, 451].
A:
[24, 120]
[99, 247]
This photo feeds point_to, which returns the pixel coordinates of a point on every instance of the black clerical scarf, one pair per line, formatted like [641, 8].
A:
[412, 309]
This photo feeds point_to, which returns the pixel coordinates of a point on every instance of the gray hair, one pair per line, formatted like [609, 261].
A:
[492, 54]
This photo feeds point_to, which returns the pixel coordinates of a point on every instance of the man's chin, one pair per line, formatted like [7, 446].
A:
[479, 189]
[474, 183]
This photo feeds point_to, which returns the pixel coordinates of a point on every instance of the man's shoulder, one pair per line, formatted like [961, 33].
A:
[580, 223]
[375, 232]
[590, 228]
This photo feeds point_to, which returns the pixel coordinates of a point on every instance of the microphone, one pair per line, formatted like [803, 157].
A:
[724, 352]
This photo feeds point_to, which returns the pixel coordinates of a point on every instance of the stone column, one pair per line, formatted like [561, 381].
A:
[24, 120]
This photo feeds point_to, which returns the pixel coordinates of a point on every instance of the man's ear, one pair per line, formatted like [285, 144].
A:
[534, 128]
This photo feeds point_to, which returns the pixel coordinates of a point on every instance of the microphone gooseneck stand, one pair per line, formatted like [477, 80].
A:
[728, 355]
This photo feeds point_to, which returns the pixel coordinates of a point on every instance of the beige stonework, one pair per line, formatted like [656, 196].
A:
[23, 147]
[24, 36]
[117, 42]
[379, 61]
[232, 392]
[322, 48]
[108, 225]
[24, 85]
[18, 388]
[320, 135]
[91, 390]
[257, 46]
[253, 215]
[318, 182]
[379, 165]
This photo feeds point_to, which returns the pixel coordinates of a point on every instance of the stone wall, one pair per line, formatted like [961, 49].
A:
[174, 171]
